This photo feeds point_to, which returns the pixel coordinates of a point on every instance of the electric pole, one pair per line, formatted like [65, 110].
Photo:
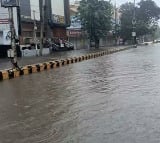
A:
[134, 24]
[42, 5]
[47, 19]
[13, 42]
[115, 10]
[35, 30]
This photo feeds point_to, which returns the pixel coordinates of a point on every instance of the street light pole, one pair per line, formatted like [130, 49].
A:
[134, 24]
[42, 5]
[13, 44]
[115, 28]
[35, 32]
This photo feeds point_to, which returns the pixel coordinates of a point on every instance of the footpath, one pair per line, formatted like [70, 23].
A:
[29, 65]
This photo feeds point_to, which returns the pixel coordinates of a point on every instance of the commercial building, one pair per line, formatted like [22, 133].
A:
[75, 33]
[56, 19]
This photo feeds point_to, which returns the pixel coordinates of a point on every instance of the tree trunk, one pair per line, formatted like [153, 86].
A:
[97, 43]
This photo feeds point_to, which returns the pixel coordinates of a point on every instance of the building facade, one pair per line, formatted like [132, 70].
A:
[56, 19]
[75, 33]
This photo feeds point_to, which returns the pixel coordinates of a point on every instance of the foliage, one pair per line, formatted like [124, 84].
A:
[147, 16]
[126, 20]
[96, 18]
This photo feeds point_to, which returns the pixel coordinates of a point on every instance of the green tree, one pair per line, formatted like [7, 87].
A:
[96, 16]
[126, 20]
[147, 16]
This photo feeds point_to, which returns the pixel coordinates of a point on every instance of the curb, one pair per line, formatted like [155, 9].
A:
[29, 69]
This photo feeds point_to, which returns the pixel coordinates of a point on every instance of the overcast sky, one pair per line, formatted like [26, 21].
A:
[119, 2]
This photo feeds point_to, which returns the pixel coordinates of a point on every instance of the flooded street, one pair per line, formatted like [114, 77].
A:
[110, 99]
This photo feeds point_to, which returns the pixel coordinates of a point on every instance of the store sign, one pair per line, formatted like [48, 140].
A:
[58, 19]
[4, 19]
[74, 33]
[9, 3]
[133, 34]
[75, 22]
[4, 24]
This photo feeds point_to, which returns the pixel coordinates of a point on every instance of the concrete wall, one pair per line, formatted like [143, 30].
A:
[79, 43]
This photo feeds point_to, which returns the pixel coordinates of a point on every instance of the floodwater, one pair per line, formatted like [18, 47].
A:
[111, 99]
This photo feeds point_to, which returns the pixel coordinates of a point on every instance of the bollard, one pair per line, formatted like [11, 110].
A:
[51, 64]
[34, 68]
[4, 75]
[16, 73]
[38, 68]
[48, 65]
[11, 74]
[41, 67]
[45, 66]
[68, 61]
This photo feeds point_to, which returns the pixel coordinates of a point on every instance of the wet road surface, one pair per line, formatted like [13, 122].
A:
[111, 99]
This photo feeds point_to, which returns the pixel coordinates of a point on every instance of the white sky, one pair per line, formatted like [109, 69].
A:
[119, 2]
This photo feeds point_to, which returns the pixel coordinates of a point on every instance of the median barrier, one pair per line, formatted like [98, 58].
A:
[4, 75]
[35, 68]
[29, 69]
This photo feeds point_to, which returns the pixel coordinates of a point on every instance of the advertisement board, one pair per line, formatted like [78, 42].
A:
[9, 3]
[5, 25]
[58, 15]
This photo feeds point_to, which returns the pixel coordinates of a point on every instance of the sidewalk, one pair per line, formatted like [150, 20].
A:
[6, 64]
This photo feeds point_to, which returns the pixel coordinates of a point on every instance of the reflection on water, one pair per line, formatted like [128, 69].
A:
[113, 99]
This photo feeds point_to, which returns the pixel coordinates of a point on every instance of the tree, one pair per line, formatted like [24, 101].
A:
[147, 16]
[96, 16]
[126, 20]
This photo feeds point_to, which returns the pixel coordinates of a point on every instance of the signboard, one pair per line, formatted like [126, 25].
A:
[9, 3]
[58, 19]
[57, 7]
[133, 34]
[75, 22]
[74, 33]
[5, 26]
[4, 19]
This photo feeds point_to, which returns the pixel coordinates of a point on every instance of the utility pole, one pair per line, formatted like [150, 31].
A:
[115, 10]
[12, 53]
[134, 24]
[35, 30]
[42, 5]
[13, 42]
[49, 34]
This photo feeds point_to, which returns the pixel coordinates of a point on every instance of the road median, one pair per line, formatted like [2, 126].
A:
[39, 67]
